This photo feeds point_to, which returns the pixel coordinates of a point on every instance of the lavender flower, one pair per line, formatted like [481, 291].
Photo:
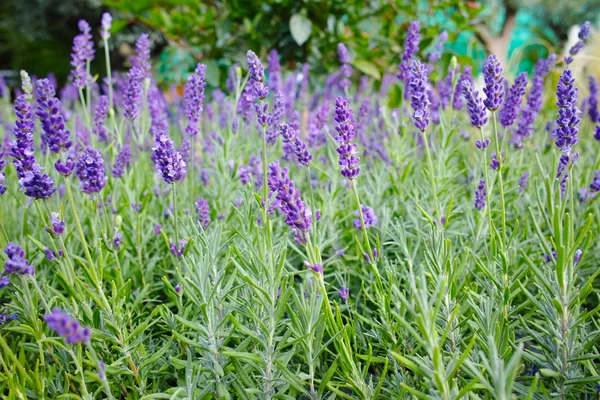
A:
[194, 96]
[419, 88]
[117, 240]
[67, 327]
[274, 72]
[4, 318]
[466, 75]
[595, 185]
[157, 229]
[567, 123]
[510, 108]
[168, 162]
[85, 29]
[106, 25]
[344, 294]
[482, 144]
[121, 161]
[2, 176]
[26, 85]
[475, 105]
[257, 75]
[298, 216]
[494, 83]
[345, 69]
[534, 100]
[50, 114]
[368, 215]
[90, 170]
[36, 184]
[64, 168]
[480, 194]
[79, 58]
[523, 182]
[50, 255]
[348, 155]
[177, 252]
[203, 212]
[411, 46]
[298, 146]
[22, 148]
[133, 93]
[316, 268]
[158, 110]
[276, 115]
[101, 111]
[577, 256]
[593, 100]
[436, 53]
[583, 35]
[16, 263]
[142, 58]
[58, 225]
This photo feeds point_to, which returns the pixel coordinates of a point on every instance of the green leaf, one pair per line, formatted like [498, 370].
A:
[300, 28]
[367, 68]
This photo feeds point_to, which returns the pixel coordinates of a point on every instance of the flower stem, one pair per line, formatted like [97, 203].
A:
[500, 179]
[438, 213]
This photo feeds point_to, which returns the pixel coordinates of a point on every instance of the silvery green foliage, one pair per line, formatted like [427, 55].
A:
[445, 301]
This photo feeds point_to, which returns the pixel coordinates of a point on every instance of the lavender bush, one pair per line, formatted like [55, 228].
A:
[295, 238]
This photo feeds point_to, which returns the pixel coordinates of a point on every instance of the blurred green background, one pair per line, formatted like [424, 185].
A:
[36, 35]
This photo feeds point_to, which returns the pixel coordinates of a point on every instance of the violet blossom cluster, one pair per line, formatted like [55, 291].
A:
[290, 136]
[121, 161]
[368, 216]
[480, 194]
[203, 212]
[583, 35]
[592, 101]
[475, 106]
[90, 171]
[67, 327]
[510, 108]
[194, 96]
[141, 59]
[419, 96]
[345, 69]
[100, 113]
[297, 215]
[168, 162]
[494, 83]
[436, 52]
[133, 93]
[346, 131]
[466, 75]
[55, 134]
[411, 47]
[274, 72]
[16, 262]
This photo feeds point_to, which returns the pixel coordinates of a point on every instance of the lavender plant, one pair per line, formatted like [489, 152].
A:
[384, 256]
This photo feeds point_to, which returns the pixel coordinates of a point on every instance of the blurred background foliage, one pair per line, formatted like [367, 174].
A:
[37, 34]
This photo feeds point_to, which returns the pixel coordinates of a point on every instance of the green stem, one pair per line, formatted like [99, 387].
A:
[175, 214]
[108, 74]
[500, 179]
[487, 192]
[432, 179]
[86, 249]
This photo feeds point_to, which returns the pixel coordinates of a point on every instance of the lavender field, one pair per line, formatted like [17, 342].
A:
[294, 236]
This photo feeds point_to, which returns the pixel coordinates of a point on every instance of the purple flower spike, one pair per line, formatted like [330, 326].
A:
[257, 75]
[66, 168]
[411, 47]
[466, 75]
[177, 252]
[595, 185]
[50, 255]
[203, 212]
[58, 225]
[291, 138]
[346, 129]
[36, 184]
[583, 35]
[510, 109]
[419, 93]
[481, 145]
[523, 182]
[141, 59]
[298, 216]
[16, 263]
[274, 71]
[49, 111]
[343, 54]
[480, 194]
[67, 327]
[436, 53]
[316, 268]
[90, 170]
[475, 105]
[121, 161]
[344, 294]
[101, 111]
[133, 93]
[82, 49]
[194, 96]
[593, 100]
[368, 215]
[167, 161]
[157, 229]
[106, 25]
[567, 123]
[494, 83]
[22, 148]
